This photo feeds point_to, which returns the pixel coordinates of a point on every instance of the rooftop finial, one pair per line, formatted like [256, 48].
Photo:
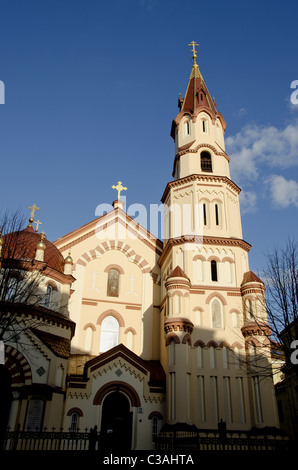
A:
[193, 44]
[37, 223]
[33, 209]
[119, 188]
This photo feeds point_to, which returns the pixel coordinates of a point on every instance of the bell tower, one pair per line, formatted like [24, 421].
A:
[203, 264]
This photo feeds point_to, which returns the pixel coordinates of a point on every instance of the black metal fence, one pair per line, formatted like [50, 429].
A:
[52, 439]
[86, 440]
[212, 441]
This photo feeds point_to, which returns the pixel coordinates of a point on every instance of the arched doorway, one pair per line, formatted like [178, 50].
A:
[116, 422]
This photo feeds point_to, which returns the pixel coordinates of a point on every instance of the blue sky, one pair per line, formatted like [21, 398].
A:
[91, 89]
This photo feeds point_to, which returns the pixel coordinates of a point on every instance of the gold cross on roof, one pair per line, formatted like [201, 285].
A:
[33, 209]
[119, 188]
[38, 223]
[193, 44]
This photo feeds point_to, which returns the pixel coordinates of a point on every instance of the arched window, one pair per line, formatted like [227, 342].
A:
[187, 127]
[109, 333]
[214, 276]
[48, 297]
[216, 314]
[113, 283]
[206, 161]
[88, 339]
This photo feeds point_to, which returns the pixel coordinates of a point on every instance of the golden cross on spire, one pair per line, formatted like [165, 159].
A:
[43, 235]
[38, 223]
[33, 209]
[193, 44]
[119, 188]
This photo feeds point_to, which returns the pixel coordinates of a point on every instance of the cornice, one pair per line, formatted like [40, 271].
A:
[210, 178]
[220, 241]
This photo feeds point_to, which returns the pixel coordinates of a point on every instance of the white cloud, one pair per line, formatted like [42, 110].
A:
[248, 202]
[256, 145]
[283, 192]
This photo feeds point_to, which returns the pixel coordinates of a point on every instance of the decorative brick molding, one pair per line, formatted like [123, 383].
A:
[213, 179]
[18, 367]
[218, 296]
[256, 329]
[200, 344]
[172, 337]
[115, 245]
[117, 386]
[156, 414]
[112, 313]
[75, 410]
[178, 324]
[114, 266]
[89, 325]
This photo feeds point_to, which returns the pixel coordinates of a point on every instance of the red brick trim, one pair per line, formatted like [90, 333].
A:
[187, 339]
[113, 313]
[172, 337]
[117, 386]
[89, 325]
[114, 266]
[75, 410]
[155, 413]
[130, 329]
[18, 367]
[216, 295]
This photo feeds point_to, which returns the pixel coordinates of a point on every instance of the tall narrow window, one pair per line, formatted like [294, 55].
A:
[214, 398]
[154, 428]
[187, 127]
[258, 400]
[216, 214]
[206, 162]
[216, 314]
[205, 213]
[11, 289]
[173, 395]
[241, 400]
[228, 399]
[113, 283]
[48, 297]
[109, 333]
[74, 422]
[172, 352]
[214, 276]
[201, 398]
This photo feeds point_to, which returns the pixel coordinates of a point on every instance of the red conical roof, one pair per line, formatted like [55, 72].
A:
[177, 272]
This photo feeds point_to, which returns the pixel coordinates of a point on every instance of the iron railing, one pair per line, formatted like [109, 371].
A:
[212, 441]
[91, 439]
[52, 439]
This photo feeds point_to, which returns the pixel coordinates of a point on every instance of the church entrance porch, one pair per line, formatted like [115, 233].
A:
[116, 422]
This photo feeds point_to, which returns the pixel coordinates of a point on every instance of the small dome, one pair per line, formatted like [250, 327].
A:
[21, 245]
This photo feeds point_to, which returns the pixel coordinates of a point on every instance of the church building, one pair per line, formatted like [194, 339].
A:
[155, 334]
